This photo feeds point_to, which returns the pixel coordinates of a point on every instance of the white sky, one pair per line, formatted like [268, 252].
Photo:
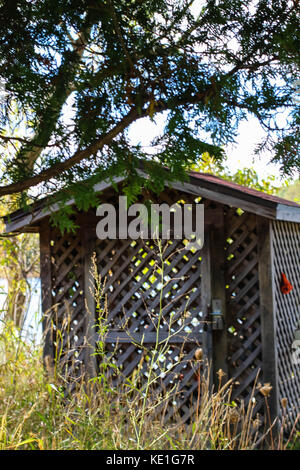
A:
[239, 155]
[242, 154]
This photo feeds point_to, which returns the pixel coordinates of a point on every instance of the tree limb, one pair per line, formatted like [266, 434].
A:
[77, 157]
[33, 148]
[80, 155]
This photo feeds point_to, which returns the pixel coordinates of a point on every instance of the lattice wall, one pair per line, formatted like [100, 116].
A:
[134, 295]
[138, 293]
[286, 248]
[68, 312]
[244, 325]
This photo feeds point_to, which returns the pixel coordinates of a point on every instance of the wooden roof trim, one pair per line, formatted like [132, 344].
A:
[231, 200]
[232, 196]
[288, 213]
[25, 221]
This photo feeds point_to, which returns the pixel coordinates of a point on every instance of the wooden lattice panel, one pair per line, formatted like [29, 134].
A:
[68, 301]
[133, 292]
[138, 294]
[286, 255]
[244, 325]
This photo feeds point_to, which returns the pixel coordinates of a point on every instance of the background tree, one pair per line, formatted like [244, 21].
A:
[245, 176]
[81, 72]
[19, 264]
[291, 191]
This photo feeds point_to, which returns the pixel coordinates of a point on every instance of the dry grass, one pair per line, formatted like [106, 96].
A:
[36, 414]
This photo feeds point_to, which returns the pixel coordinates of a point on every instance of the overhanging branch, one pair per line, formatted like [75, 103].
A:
[80, 155]
[32, 149]
[77, 157]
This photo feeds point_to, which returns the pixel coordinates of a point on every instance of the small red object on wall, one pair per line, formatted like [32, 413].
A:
[285, 285]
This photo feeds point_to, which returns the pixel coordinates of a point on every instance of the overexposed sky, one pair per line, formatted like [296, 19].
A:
[242, 153]
[239, 155]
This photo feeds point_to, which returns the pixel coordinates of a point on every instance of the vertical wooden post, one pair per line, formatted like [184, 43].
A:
[218, 291]
[267, 311]
[206, 301]
[88, 235]
[46, 288]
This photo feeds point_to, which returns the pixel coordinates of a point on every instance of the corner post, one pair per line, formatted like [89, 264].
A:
[46, 289]
[267, 310]
[218, 292]
[206, 301]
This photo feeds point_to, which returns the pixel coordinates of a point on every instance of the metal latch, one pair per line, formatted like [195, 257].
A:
[217, 315]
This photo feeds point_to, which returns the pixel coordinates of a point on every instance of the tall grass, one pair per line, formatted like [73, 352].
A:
[37, 413]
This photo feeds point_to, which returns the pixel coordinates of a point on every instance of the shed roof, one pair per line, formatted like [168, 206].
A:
[201, 184]
[252, 192]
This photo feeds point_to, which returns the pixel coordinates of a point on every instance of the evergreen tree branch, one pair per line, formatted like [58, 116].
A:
[63, 87]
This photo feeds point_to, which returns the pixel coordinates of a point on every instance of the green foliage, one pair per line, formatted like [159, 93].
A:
[63, 219]
[249, 177]
[79, 73]
[291, 192]
[246, 176]
[19, 260]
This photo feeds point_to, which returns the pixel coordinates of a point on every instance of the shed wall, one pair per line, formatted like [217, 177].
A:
[62, 276]
[243, 305]
[66, 286]
[286, 248]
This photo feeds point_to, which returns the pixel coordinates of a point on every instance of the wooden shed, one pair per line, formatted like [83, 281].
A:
[251, 239]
